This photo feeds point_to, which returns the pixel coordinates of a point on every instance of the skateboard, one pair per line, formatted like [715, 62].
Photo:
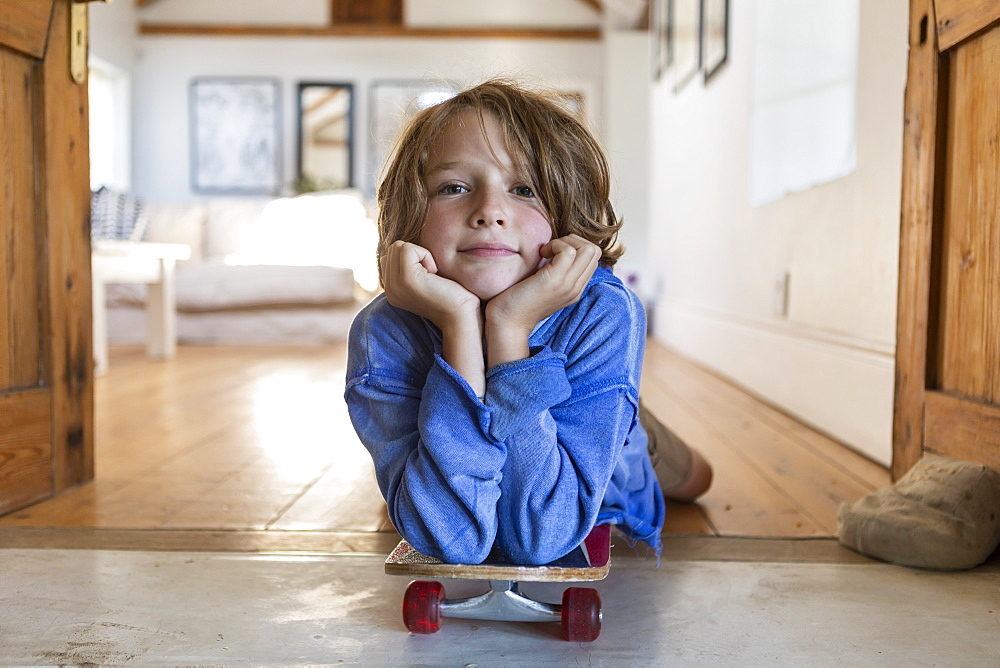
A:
[424, 603]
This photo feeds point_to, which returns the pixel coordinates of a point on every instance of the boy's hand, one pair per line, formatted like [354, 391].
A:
[512, 314]
[557, 284]
[409, 276]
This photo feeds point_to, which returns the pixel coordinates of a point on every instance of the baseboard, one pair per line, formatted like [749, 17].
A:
[837, 387]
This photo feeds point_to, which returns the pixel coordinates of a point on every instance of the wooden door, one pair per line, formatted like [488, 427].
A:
[948, 329]
[46, 365]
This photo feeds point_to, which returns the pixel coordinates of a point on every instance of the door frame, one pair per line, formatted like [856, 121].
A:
[922, 415]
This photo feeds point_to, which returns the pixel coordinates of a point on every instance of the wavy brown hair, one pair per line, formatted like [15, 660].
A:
[566, 165]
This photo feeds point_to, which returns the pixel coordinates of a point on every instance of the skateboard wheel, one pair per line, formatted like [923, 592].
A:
[422, 606]
[581, 614]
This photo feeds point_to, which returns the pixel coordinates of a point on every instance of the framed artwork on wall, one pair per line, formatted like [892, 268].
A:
[685, 40]
[235, 136]
[714, 35]
[659, 26]
[391, 103]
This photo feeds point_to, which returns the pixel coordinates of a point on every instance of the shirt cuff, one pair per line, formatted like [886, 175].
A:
[520, 392]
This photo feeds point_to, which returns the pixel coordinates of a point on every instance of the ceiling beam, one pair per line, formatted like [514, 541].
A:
[202, 29]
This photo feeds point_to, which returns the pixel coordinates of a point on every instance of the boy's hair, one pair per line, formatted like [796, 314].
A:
[567, 168]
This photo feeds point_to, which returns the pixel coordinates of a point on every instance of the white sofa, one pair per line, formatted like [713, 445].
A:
[262, 271]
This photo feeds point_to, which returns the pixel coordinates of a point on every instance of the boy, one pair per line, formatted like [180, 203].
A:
[495, 382]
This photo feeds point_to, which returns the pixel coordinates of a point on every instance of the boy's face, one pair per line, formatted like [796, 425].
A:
[484, 225]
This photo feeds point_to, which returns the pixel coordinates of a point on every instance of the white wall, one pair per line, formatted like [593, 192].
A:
[244, 12]
[113, 36]
[521, 13]
[626, 139]
[830, 360]
[168, 64]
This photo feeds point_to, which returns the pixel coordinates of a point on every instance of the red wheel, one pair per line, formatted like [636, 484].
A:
[422, 606]
[581, 614]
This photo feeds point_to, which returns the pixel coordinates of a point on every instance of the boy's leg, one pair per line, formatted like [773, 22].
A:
[683, 473]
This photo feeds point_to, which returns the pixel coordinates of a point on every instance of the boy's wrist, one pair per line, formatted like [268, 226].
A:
[506, 342]
[466, 324]
[462, 348]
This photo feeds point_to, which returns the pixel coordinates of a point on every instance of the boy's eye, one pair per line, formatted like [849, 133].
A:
[524, 191]
[452, 189]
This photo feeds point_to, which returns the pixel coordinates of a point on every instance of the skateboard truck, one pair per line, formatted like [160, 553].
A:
[424, 603]
[503, 602]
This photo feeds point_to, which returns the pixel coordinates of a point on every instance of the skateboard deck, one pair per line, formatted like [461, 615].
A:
[406, 560]
[424, 603]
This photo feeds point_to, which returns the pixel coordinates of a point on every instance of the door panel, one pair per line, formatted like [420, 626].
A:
[969, 348]
[19, 304]
[948, 326]
[46, 366]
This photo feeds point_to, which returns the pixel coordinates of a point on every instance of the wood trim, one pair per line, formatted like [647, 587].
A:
[920, 158]
[594, 4]
[366, 12]
[675, 548]
[78, 538]
[22, 26]
[958, 20]
[962, 428]
[25, 448]
[65, 220]
[203, 30]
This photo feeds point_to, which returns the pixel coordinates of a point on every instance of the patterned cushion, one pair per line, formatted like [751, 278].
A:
[115, 215]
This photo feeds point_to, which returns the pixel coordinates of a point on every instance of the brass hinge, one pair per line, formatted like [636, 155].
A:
[78, 39]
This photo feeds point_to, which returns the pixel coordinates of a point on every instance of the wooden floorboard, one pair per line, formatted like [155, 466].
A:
[255, 443]
[794, 475]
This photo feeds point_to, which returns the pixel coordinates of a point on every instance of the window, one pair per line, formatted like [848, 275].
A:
[109, 127]
[803, 100]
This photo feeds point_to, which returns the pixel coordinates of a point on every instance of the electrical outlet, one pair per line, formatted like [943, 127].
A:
[780, 304]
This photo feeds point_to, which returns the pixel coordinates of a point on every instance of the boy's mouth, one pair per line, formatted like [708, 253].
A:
[489, 250]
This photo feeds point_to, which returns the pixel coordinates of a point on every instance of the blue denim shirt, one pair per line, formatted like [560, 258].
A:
[554, 448]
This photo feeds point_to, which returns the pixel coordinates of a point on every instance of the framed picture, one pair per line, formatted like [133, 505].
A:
[685, 40]
[235, 136]
[391, 103]
[714, 35]
[659, 26]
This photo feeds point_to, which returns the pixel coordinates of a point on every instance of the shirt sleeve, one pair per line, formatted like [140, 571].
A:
[437, 467]
[564, 419]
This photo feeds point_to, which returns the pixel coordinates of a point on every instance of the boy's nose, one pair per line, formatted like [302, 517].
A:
[489, 211]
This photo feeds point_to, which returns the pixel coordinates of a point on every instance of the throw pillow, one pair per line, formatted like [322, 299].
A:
[115, 215]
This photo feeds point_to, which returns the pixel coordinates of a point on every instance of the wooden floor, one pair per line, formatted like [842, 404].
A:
[249, 446]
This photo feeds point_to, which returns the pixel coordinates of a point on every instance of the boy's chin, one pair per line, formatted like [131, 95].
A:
[487, 290]
[486, 294]
[487, 285]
